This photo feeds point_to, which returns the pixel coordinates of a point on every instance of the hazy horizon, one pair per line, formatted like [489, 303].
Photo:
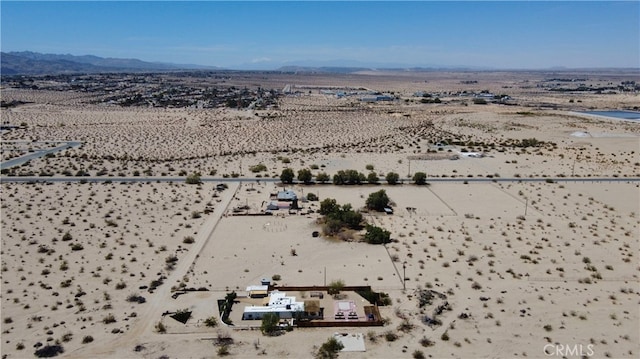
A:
[267, 35]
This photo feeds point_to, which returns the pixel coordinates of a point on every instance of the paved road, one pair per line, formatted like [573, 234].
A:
[37, 153]
[6, 179]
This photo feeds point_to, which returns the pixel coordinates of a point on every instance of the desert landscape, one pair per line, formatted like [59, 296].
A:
[128, 199]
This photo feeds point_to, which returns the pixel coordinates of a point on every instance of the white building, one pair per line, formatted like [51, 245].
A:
[285, 307]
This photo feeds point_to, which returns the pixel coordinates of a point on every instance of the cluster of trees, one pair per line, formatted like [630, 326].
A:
[349, 177]
[338, 217]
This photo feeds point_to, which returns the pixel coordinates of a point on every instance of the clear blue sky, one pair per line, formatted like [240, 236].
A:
[520, 34]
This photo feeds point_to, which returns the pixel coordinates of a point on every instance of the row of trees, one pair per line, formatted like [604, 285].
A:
[343, 177]
[347, 177]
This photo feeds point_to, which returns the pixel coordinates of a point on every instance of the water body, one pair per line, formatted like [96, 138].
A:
[620, 115]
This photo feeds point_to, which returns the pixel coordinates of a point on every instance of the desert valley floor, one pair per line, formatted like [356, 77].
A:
[528, 224]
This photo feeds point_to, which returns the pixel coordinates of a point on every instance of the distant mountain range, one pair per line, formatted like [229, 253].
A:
[34, 63]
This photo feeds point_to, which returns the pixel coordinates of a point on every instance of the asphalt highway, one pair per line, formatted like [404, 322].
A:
[37, 179]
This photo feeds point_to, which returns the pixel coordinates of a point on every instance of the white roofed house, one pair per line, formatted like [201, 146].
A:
[285, 307]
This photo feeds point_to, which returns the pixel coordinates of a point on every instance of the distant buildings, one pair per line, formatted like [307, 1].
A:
[376, 98]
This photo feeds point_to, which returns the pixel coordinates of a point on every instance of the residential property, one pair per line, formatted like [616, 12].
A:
[281, 304]
[286, 199]
[286, 195]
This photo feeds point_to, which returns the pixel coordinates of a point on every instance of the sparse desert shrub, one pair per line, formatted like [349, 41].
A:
[121, 285]
[211, 322]
[134, 298]
[109, 319]
[87, 339]
[329, 349]
[418, 354]
[223, 350]
[49, 351]
[390, 336]
[425, 342]
[67, 337]
[372, 336]
[188, 240]
[258, 168]
[406, 326]
[160, 328]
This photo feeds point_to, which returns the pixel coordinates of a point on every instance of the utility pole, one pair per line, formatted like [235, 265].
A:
[404, 275]
[526, 205]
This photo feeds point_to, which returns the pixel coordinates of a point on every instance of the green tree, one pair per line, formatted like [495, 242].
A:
[392, 178]
[329, 349]
[340, 178]
[322, 177]
[332, 226]
[378, 200]
[373, 178]
[355, 177]
[349, 217]
[328, 205]
[287, 176]
[377, 235]
[193, 178]
[269, 324]
[335, 287]
[305, 175]
[420, 178]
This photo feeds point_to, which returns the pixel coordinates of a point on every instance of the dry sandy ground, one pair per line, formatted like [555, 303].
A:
[564, 273]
